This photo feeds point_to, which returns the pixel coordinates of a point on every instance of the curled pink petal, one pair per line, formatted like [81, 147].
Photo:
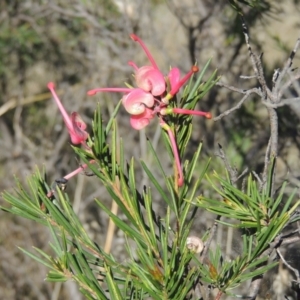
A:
[180, 83]
[77, 121]
[139, 122]
[174, 77]
[78, 135]
[177, 84]
[150, 80]
[137, 101]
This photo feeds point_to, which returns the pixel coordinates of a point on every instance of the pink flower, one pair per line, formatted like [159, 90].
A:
[74, 123]
[137, 102]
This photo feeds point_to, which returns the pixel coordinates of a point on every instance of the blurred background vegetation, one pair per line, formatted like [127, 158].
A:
[82, 44]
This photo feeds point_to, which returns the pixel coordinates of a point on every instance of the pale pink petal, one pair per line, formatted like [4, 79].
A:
[136, 101]
[177, 84]
[139, 122]
[150, 80]
[174, 77]
[77, 120]
[77, 134]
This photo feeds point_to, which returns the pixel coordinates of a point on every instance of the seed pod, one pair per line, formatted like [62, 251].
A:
[194, 244]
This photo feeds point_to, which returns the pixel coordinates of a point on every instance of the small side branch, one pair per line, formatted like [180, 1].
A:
[281, 103]
[238, 105]
[232, 171]
[212, 233]
[287, 66]
[267, 160]
[295, 271]
[256, 63]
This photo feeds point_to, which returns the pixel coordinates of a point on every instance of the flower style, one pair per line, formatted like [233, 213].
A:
[74, 123]
[151, 98]
[76, 128]
[62, 182]
[137, 102]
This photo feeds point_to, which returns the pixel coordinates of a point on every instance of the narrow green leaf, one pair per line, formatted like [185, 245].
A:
[75, 266]
[197, 183]
[114, 152]
[113, 288]
[154, 153]
[36, 258]
[156, 184]
[111, 120]
[288, 203]
[54, 276]
[190, 172]
[257, 272]
[121, 224]
[150, 216]
[133, 198]
[192, 93]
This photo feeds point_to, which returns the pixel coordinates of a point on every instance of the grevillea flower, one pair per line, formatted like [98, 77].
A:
[151, 98]
[137, 102]
[74, 123]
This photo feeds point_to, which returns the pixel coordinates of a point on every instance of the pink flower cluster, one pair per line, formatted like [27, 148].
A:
[149, 99]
